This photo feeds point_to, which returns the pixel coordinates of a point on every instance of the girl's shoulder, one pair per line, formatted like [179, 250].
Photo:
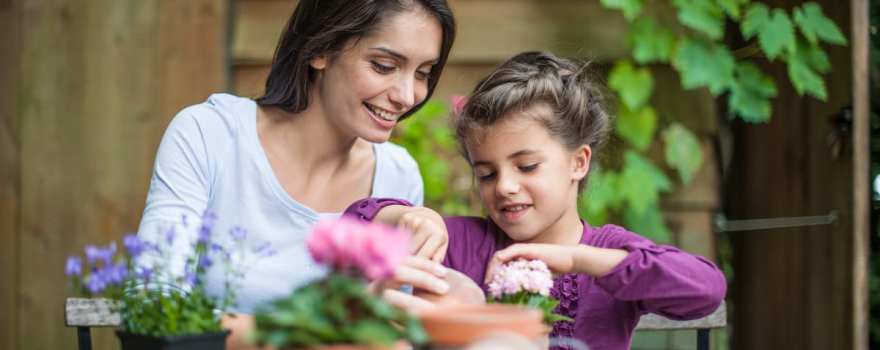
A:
[612, 236]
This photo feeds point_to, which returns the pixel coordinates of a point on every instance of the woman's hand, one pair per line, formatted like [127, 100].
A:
[561, 259]
[419, 273]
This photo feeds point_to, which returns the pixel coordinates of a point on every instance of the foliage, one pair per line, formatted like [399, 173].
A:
[526, 282]
[338, 309]
[153, 301]
[694, 47]
[428, 137]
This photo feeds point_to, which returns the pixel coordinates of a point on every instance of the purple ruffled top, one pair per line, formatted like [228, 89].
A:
[565, 289]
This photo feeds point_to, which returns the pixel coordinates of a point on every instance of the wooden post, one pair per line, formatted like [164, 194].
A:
[861, 173]
[10, 145]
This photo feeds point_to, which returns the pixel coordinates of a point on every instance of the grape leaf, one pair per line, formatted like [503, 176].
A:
[648, 223]
[630, 8]
[756, 18]
[636, 127]
[804, 79]
[750, 93]
[633, 84]
[602, 195]
[650, 42]
[774, 30]
[703, 64]
[732, 7]
[643, 180]
[703, 16]
[682, 151]
[814, 25]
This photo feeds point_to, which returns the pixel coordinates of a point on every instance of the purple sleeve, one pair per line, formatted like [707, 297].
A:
[367, 208]
[661, 279]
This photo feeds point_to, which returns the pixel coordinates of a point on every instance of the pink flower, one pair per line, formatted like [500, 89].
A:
[521, 275]
[458, 102]
[370, 248]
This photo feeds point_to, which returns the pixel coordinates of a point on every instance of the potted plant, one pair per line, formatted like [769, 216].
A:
[526, 282]
[337, 312]
[160, 309]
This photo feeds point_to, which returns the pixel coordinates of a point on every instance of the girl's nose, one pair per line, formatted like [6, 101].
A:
[507, 185]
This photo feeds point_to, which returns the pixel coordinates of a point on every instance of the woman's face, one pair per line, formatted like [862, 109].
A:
[365, 89]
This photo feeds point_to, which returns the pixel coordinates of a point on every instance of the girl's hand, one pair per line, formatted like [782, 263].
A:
[559, 258]
[429, 236]
[418, 272]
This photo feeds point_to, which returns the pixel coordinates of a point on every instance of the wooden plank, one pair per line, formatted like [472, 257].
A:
[652, 322]
[861, 170]
[488, 30]
[98, 312]
[10, 146]
[100, 80]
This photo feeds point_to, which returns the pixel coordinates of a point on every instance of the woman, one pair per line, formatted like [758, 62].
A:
[344, 74]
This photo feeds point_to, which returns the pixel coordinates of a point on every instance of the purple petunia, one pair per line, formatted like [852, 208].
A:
[133, 245]
[96, 283]
[170, 234]
[73, 267]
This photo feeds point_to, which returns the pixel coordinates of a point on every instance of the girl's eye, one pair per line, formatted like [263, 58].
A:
[381, 68]
[528, 168]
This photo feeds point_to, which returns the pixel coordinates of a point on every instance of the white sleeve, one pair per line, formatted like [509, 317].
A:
[179, 191]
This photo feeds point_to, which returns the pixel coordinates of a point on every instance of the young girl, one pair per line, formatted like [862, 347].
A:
[529, 131]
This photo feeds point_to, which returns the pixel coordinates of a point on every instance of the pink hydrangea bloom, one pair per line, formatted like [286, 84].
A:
[521, 275]
[348, 244]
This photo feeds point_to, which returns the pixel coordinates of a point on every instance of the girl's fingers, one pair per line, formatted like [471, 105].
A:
[405, 301]
[430, 247]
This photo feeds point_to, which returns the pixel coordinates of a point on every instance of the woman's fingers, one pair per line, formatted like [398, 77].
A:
[405, 301]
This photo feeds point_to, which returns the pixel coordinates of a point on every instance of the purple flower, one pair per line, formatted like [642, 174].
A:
[96, 284]
[145, 273]
[113, 274]
[133, 245]
[238, 233]
[190, 278]
[94, 254]
[73, 267]
[169, 235]
[265, 250]
[184, 220]
[205, 262]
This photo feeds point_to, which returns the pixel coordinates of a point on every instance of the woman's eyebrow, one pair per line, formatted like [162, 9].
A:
[399, 56]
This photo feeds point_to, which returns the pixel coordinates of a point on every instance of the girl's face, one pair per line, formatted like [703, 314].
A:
[365, 89]
[528, 181]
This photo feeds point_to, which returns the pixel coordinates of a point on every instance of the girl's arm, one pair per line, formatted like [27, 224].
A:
[659, 279]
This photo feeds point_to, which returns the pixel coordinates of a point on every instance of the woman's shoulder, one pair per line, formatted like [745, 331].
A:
[396, 157]
[221, 114]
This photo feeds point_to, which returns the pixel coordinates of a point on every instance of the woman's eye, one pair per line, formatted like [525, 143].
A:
[423, 75]
[381, 68]
[528, 168]
[485, 177]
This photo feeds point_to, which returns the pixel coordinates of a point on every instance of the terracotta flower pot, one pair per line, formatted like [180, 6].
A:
[460, 325]
[396, 346]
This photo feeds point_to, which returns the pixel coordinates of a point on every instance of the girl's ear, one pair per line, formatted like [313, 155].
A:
[581, 162]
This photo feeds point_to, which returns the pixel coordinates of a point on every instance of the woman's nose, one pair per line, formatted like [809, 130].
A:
[403, 93]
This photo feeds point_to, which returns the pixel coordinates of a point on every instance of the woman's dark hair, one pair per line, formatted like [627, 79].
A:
[579, 114]
[323, 27]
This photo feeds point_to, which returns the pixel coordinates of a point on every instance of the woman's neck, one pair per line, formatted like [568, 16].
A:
[306, 138]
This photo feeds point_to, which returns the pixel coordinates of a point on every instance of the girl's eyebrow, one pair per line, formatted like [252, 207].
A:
[520, 153]
[399, 56]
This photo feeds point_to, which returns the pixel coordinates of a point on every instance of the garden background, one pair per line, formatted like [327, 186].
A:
[727, 110]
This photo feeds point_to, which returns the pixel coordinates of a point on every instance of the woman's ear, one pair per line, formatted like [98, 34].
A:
[319, 63]
[581, 162]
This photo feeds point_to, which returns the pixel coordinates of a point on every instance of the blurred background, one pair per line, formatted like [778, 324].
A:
[702, 142]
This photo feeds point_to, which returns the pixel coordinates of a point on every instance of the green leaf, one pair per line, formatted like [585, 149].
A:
[648, 223]
[814, 25]
[804, 79]
[650, 42]
[642, 181]
[602, 195]
[633, 84]
[704, 64]
[814, 55]
[636, 127]
[732, 8]
[701, 15]
[630, 8]
[682, 151]
[750, 93]
[774, 29]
